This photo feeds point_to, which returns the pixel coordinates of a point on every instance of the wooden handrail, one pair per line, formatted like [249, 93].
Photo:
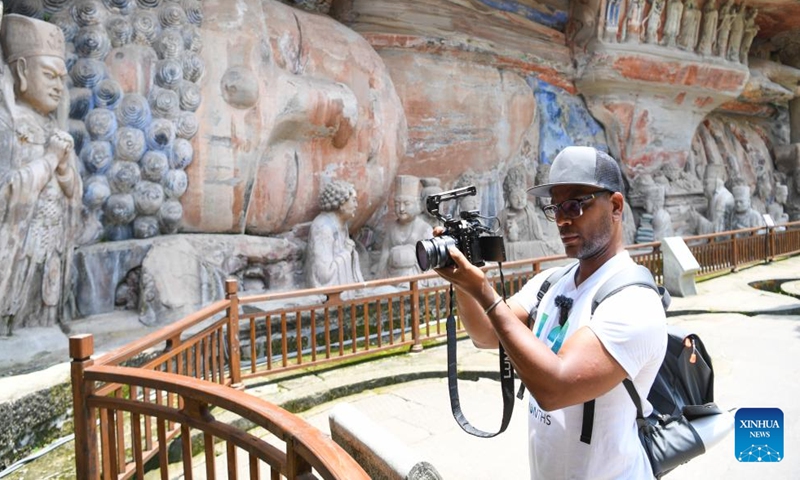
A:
[174, 330]
[319, 450]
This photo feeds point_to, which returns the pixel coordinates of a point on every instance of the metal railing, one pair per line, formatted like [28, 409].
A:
[174, 376]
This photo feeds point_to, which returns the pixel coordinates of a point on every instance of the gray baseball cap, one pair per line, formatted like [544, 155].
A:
[582, 166]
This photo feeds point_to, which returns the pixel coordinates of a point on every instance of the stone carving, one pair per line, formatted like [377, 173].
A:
[654, 21]
[677, 180]
[744, 216]
[750, 32]
[398, 255]
[775, 209]
[645, 233]
[518, 219]
[708, 32]
[654, 205]
[673, 23]
[632, 29]
[40, 187]
[470, 202]
[720, 199]
[628, 224]
[793, 202]
[690, 26]
[737, 31]
[331, 257]
[764, 193]
[612, 20]
[430, 186]
[726, 16]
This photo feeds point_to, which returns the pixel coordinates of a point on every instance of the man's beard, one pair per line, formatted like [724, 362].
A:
[596, 242]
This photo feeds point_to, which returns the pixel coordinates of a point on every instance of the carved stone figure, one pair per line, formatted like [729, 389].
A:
[518, 219]
[331, 257]
[720, 199]
[726, 16]
[793, 202]
[708, 32]
[552, 237]
[654, 205]
[632, 29]
[469, 202]
[612, 20]
[690, 27]
[398, 255]
[737, 32]
[750, 32]
[430, 186]
[40, 187]
[654, 21]
[764, 193]
[673, 22]
[744, 216]
[775, 209]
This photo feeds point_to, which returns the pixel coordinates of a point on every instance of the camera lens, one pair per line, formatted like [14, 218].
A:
[432, 253]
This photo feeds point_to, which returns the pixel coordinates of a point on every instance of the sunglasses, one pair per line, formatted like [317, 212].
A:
[571, 208]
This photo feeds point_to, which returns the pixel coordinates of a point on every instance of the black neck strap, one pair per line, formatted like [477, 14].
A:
[506, 376]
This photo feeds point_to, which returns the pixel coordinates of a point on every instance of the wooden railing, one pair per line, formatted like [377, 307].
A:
[126, 414]
[121, 394]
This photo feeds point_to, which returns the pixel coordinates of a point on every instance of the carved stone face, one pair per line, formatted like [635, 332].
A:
[742, 203]
[517, 199]
[41, 82]
[406, 208]
[469, 203]
[348, 209]
[781, 194]
[709, 185]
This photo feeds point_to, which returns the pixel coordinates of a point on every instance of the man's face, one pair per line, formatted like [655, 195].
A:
[588, 235]
[406, 208]
[43, 79]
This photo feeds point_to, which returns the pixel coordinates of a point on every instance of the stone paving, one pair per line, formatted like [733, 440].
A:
[753, 336]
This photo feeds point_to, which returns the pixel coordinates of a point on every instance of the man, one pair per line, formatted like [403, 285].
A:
[40, 188]
[572, 356]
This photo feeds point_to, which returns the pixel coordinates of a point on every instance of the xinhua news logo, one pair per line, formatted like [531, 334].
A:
[759, 435]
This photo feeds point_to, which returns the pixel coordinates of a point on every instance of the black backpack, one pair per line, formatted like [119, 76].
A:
[683, 389]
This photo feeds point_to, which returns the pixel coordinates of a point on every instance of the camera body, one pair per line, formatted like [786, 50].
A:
[466, 233]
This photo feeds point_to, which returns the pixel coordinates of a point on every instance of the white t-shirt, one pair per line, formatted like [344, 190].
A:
[631, 325]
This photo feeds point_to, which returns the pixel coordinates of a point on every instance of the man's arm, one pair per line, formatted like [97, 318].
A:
[582, 370]
[477, 323]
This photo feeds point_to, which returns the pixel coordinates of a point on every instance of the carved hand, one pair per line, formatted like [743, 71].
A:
[60, 145]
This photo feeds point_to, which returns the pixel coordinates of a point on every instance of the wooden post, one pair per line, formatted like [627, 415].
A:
[735, 248]
[231, 289]
[417, 346]
[81, 348]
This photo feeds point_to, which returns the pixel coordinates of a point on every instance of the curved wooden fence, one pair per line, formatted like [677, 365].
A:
[131, 402]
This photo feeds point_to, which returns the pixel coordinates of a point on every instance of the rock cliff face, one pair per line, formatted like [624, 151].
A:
[232, 115]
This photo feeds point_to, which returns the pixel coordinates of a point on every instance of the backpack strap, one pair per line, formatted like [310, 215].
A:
[634, 275]
[548, 282]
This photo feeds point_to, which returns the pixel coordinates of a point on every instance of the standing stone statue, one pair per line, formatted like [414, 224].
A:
[654, 21]
[518, 219]
[673, 23]
[744, 216]
[612, 20]
[399, 254]
[708, 32]
[690, 27]
[726, 15]
[632, 29]
[793, 202]
[750, 31]
[654, 205]
[775, 209]
[764, 193]
[720, 199]
[331, 257]
[40, 187]
[737, 32]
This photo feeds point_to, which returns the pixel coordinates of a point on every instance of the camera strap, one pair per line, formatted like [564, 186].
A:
[506, 377]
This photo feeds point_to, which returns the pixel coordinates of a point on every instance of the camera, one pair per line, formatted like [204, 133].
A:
[467, 233]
